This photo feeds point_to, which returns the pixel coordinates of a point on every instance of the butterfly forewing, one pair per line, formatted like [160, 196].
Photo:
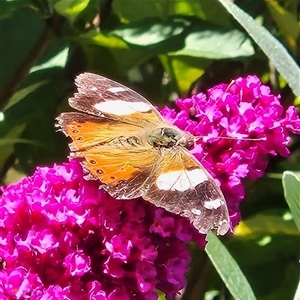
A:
[111, 138]
[87, 131]
[121, 162]
[100, 96]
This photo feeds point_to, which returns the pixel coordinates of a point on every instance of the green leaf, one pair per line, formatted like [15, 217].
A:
[297, 294]
[18, 35]
[264, 237]
[71, 8]
[152, 31]
[58, 60]
[211, 11]
[183, 70]
[37, 111]
[95, 37]
[6, 147]
[272, 48]
[11, 141]
[286, 21]
[113, 62]
[265, 246]
[206, 10]
[291, 186]
[33, 98]
[287, 272]
[8, 7]
[186, 36]
[22, 93]
[216, 43]
[134, 10]
[228, 269]
[267, 222]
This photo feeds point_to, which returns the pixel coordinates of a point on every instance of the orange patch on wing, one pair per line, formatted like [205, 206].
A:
[144, 118]
[109, 173]
[89, 134]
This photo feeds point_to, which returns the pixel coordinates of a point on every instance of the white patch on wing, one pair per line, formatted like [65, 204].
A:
[180, 180]
[223, 227]
[93, 88]
[213, 204]
[121, 108]
[116, 89]
[196, 211]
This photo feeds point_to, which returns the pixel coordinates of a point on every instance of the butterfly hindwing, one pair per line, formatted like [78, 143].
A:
[181, 185]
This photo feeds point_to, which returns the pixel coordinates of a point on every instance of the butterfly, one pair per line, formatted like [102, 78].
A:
[122, 140]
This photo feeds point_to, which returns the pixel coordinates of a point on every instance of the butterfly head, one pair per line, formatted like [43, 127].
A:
[169, 137]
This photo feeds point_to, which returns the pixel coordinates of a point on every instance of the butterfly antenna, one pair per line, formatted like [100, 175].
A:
[226, 137]
[237, 139]
[230, 84]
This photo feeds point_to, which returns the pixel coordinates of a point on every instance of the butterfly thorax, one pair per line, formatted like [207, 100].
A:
[169, 136]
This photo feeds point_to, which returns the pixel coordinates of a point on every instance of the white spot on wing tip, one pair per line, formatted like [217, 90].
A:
[196, 211]
[213, 204]
[223, 227]
[116, 89]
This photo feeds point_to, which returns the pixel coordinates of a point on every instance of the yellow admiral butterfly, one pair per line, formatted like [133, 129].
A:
[123, 141]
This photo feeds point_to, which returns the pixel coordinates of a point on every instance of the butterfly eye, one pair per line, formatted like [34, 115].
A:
[171, 133]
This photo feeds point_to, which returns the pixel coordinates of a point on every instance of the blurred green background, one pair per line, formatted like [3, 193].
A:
[164, 49]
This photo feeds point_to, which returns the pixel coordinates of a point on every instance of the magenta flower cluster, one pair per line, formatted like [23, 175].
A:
[238, 126]
[63, 238]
